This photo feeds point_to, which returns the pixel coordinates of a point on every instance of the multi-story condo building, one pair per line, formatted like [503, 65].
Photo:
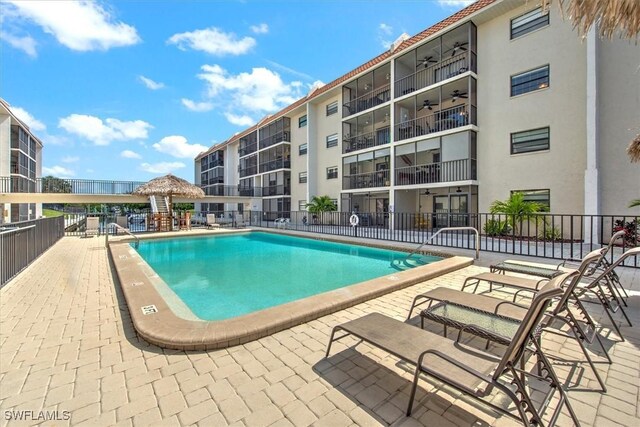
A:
[502, 96]
[21, 161]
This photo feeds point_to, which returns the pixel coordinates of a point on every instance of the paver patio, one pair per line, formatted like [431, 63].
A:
[67, 344]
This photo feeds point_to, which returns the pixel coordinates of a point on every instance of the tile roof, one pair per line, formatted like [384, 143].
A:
[448, 22]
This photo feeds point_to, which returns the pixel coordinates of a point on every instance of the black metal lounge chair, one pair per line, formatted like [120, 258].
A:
[466, 311]
[469, 370]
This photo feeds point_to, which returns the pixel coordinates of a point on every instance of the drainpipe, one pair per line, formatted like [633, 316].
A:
[591, 181]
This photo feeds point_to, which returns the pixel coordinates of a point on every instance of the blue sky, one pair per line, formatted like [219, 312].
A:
[129, 90]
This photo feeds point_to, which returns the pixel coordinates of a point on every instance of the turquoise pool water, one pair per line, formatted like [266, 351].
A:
[220, 277]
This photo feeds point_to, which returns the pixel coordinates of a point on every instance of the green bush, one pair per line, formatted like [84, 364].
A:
[551, 233]
[495, 227]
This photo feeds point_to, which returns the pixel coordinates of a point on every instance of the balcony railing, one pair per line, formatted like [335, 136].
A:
[451, 171]
[230, 190]
[274, 139]
[248, 149]
[366, 140]
[366, 180]
[247, 171]
[275, 164]
[445, 69]
[366, 101]
[450, 118]
[69, 186]
[276, 190]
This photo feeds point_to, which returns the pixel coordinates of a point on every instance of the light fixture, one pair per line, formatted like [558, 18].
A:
[543, 85]
[459, 190]
[366, 86]
[387, 76]
[426, 193]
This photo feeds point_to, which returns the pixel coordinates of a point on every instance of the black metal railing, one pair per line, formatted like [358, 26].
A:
[274, 139]
[70, 186]
[438, 121]
[22, 242]
[450, 171]
[276, 190]
[231, 190]
[366, 180]
[247, 171]
[443, 70]
[275, 164]
[380, 136]
[248, 149]
[371, 99]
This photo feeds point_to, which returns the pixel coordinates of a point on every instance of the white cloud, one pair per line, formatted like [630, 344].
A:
[260, 29]
[128, 154]
[70, 159]
[104, 132]
[214, 41]
[58, 171]
[177, 146]
[34, 124]
[24, 43]
[79, 25]
[259, 91]
[162, 167]
[289, 70]
[150, 84]
[198, 107]
[90, 171]
[238, 120]
[385, 28]
[455, 3]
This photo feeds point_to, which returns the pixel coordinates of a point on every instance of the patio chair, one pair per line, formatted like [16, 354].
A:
[92, 226]
[211, 221]
[459, 309]
[469, 370]
[238, 220]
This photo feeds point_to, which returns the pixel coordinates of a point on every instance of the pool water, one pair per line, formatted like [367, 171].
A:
[220, 277]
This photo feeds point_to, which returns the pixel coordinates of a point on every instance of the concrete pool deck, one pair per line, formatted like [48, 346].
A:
[68, 347]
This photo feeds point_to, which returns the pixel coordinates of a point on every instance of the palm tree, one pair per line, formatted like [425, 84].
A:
[634, 203]
[517, 209]
[321, 204]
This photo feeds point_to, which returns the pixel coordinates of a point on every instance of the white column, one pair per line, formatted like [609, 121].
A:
[591, 182]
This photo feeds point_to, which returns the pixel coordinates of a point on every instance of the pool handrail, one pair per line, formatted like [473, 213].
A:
[126, 230]
[449, 229]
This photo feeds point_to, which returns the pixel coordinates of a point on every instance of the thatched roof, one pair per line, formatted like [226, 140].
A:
[169, 185]
[612, 16]
[634, 149]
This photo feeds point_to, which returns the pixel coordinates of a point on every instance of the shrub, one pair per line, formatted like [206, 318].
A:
[550, 233]
[495, 227]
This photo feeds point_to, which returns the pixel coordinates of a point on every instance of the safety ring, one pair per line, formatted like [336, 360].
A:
[354, 220]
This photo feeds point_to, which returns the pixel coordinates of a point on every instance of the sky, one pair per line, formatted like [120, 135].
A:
[130, 90]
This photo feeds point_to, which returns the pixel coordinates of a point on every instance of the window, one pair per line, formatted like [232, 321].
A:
[302, 205]
[302, 121]
[539, 196]
[530, 21]
[530, 81]
[302, 177]
[332, 108]
[332, 172]
[530, 141]
[302, 149]
[332, 140]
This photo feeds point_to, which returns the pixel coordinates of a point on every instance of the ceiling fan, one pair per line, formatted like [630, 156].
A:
[427, 104]
[426, 61]
[456, 94]
[458, 46]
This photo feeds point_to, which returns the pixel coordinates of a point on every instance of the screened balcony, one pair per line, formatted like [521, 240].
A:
[275, 158]
[366, 131]
[248, 166]
[446, 57]
[248, 144]
[366, 170]
[275, 132]
[440, 109]
[367, 91]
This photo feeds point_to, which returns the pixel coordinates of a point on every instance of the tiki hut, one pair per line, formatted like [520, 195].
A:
[634, 150]
[613, 17]
[169, 185]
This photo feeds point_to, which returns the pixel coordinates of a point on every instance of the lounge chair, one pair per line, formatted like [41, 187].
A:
[238, 220]
[467, 369]
[211, 221]
[92, 226]
[460, 309]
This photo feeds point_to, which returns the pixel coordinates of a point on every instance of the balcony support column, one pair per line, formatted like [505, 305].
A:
[591, 181]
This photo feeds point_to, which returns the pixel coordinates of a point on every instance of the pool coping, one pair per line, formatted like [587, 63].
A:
[162, 327]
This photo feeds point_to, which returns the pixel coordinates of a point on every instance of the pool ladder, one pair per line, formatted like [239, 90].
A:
[404, 261]
[126, 230]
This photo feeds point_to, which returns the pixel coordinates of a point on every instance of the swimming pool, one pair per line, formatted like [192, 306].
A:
[222, 277]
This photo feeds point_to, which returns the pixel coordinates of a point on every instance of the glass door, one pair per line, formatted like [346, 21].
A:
[441, 211]
[459, 210]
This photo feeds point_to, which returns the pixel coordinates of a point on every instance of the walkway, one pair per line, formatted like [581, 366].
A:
[67, 345]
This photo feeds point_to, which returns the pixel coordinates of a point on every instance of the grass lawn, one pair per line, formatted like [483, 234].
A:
[50, 213]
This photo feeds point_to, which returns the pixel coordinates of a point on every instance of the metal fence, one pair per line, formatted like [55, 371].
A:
[22, 242]
[542, 235]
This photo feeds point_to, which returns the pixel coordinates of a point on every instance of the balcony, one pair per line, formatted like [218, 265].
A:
[451, 171]
[366, 180]
[276, 190]
[247, 171]
[368, 100]
[436, 73]
[282, 163]
[367, 140]
[245, 150]
[439, 121]
[274, 139]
